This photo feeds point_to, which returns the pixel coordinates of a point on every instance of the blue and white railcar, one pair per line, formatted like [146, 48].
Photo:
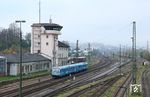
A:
[68, 69]
[81, 66]
[55, 71]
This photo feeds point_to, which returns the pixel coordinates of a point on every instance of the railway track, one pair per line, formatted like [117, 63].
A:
[99, 88]
[73, 85]
[51, 91]
[41, 85]
[123, 88]
[81, 80]
[145, 84]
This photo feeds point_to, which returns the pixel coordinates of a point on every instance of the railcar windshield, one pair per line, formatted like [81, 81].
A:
[55, 70]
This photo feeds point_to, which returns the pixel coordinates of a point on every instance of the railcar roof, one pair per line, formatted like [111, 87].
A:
[66, 66]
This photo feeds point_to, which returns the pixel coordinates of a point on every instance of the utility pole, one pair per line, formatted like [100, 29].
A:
[20, 88]
[147, 46]
[120, 59]
[126, 52]
[89, 53]
[113, 54]
[124, 48]
[134, 68]
[77, 49]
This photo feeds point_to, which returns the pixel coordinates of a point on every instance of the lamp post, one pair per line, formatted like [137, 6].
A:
[20, 80]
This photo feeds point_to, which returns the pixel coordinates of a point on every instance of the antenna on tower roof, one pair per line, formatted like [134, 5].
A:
[39, 11]
[50, 20]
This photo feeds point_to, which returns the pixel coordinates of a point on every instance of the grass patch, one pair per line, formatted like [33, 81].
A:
[29, 75]
[6, 78]
[44, 72]
[149, 76]
[148, 73]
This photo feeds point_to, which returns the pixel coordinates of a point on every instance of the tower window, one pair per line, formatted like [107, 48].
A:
[46, 36]
[38, 36]
[46, 43]
[38, 43]
[39, 51]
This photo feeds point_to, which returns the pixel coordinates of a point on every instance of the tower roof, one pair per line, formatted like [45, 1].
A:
[61, 44]
[48, 26]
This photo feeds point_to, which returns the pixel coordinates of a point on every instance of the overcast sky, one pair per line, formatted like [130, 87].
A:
[104, 21]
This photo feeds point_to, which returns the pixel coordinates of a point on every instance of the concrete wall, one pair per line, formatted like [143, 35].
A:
[47, 49]
[30, 67]
[13, 69]
[62, 56]
[35, 39]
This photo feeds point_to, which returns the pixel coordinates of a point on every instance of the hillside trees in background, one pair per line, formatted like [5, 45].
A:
[10, 40]
[28, 40]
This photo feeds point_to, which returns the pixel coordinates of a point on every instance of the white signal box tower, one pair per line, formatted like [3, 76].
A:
[44, 40]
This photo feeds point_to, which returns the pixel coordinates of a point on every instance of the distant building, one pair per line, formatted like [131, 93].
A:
[63, 50]
[44, 40]
[73, 60]
[9, 64]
